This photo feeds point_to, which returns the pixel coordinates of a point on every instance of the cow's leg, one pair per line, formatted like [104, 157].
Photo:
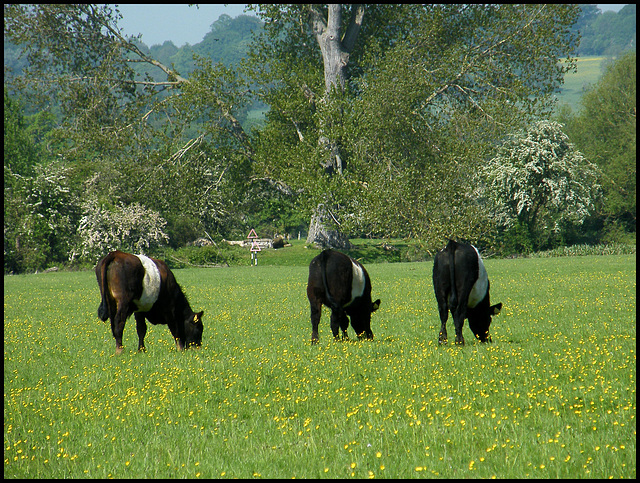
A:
[444, 315]
[344, 325]
[177, 337]
[141, 327]
[316, 312]
[335, 325]
[458, 320]
[117, 326]
[339, 321]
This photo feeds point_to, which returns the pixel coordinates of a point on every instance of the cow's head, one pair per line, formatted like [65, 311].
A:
[193, 330]
[480, 320]
[361, 322]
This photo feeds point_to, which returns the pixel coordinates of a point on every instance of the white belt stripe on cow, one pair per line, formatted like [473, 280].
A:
[357, 283]
[150, 284]
[480, 288]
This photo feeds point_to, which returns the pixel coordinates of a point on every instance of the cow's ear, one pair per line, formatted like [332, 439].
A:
[198, 317]
[375, 305]
[495, 309]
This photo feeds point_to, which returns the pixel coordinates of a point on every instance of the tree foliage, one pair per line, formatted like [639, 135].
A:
[131, 228]
[20, 150]
[605, 130]
[606, 33]
[539, 181]
[381, 114]
[426, 98]
[141, 133]
[41, 214]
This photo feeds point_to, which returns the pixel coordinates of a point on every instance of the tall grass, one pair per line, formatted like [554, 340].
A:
[553, 396]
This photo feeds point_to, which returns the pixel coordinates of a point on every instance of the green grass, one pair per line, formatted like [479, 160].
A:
[588, 73]
[553, 396]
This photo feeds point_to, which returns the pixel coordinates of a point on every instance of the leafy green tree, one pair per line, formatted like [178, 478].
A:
[371, 108]
[606, 33]
[139, 132]
[297, 39]
[39, 206]
[428, 91]
[20, 151]
[41, 214]
[605, 130]
[538, 180]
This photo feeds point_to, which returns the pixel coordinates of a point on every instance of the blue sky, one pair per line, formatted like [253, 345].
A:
[179, 23]
[183, 24]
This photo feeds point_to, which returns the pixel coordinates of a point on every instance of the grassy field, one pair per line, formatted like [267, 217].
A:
[588, 73]
[553, 396]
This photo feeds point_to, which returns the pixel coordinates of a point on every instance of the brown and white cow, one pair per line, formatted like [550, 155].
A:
[145, 286]
[461, 286]
[342, 284]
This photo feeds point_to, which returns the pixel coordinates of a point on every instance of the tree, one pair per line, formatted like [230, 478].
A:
[41, 214]
[39, 206]
[370, 109]
[605, 130]
[131, 228]
[20, 151]
[539, 181]
[430, 90]
[606, 33]
[133, 128]
[334, 29]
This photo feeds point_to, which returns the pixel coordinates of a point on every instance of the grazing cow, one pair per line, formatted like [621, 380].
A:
[342, 284]
[461, 285]
[145, 286]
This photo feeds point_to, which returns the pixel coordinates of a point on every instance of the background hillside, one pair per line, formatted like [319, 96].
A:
[606, 33]
[604, 36]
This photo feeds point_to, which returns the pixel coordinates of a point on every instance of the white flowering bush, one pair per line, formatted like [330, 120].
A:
[40, 216]
[132, 228]
[539, 180]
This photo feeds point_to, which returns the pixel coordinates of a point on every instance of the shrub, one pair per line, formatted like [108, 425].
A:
[133, 228]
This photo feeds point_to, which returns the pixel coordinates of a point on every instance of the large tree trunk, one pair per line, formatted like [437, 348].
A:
[325, 237]
[335, 49]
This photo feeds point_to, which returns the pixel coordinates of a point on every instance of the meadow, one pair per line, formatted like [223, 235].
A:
[589, 71]
[553, 396]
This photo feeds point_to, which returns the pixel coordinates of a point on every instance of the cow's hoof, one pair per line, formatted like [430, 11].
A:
[119, 350]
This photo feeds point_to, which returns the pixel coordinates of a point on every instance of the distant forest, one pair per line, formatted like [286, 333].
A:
[603, 33]
[606, 33]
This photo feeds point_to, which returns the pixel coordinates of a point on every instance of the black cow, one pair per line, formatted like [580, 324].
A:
[461, 285]
[342, 284]
[135, 283]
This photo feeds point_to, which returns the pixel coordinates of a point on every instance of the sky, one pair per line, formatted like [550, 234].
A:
[183, 24]
[179, 23]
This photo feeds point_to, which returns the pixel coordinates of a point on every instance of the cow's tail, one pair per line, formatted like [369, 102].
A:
[101, 273]
[453, 296]
[323, 269]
